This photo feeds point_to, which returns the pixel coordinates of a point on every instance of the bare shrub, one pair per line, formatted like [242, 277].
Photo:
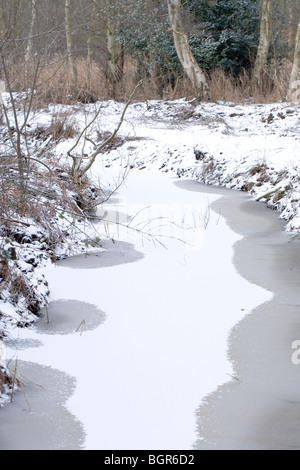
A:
[208, 167]
[62, 128]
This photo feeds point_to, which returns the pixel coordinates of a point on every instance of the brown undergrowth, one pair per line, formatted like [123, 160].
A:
[55, 84]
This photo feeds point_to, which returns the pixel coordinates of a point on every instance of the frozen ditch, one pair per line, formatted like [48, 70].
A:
[148, 326]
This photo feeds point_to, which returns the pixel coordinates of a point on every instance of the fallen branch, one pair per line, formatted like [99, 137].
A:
[269, 193]
[13, 221]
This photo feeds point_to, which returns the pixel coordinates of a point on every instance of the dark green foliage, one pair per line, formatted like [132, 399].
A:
[147, 37]
[223, 34]
[226, 33]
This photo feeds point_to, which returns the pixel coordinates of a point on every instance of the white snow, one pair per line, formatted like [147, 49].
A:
[142, 375]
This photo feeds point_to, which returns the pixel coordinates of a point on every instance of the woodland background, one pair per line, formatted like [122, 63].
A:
[90, 49]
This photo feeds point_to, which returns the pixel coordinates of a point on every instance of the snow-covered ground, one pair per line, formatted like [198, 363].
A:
[248, 147]
[253, 148]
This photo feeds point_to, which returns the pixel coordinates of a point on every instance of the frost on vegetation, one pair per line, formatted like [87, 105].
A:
[43, 215]
[24, 249]
[26, 246]
[46, 206]
[6, 385]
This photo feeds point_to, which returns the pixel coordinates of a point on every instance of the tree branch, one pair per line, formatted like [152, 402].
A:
[102, 146]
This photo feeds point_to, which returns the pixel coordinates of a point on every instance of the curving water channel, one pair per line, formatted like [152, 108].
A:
[157, 347]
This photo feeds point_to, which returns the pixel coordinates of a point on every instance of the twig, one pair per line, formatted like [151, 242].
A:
[111, 137]
[81, 326]
[29, 380]
[147, 235]
[69, 153]
[23, 389]
[116, 189]
[14, 382]
[47, 312]
[235, 378]
[13, 221]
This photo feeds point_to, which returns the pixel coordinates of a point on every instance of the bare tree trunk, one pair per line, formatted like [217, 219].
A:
[2, 23]
[89, 59]
[184, 52]
[32, 24]
[18, 6]
[70, 45]
[115, 57]
[294, 13]
[294, 87]
[15, 140]
[264, 43]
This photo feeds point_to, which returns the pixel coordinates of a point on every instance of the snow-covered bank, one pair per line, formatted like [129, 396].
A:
[50, 228]
[253, 148]
[249, 147]
[26, 250]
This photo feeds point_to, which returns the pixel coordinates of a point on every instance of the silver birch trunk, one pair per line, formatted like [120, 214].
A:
[264, 42]
[294, 87]
[292, 25]
[184, 52]
[70, 45]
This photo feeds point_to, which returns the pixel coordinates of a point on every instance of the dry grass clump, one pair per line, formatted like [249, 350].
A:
[14, 281]
[19, 289]
[46, 199]
[55, 83]
[35, 220]
[273, 87]
[229, 89]
[62, 127]
[6, 380]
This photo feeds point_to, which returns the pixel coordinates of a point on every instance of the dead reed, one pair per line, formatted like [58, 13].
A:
[54, 83]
